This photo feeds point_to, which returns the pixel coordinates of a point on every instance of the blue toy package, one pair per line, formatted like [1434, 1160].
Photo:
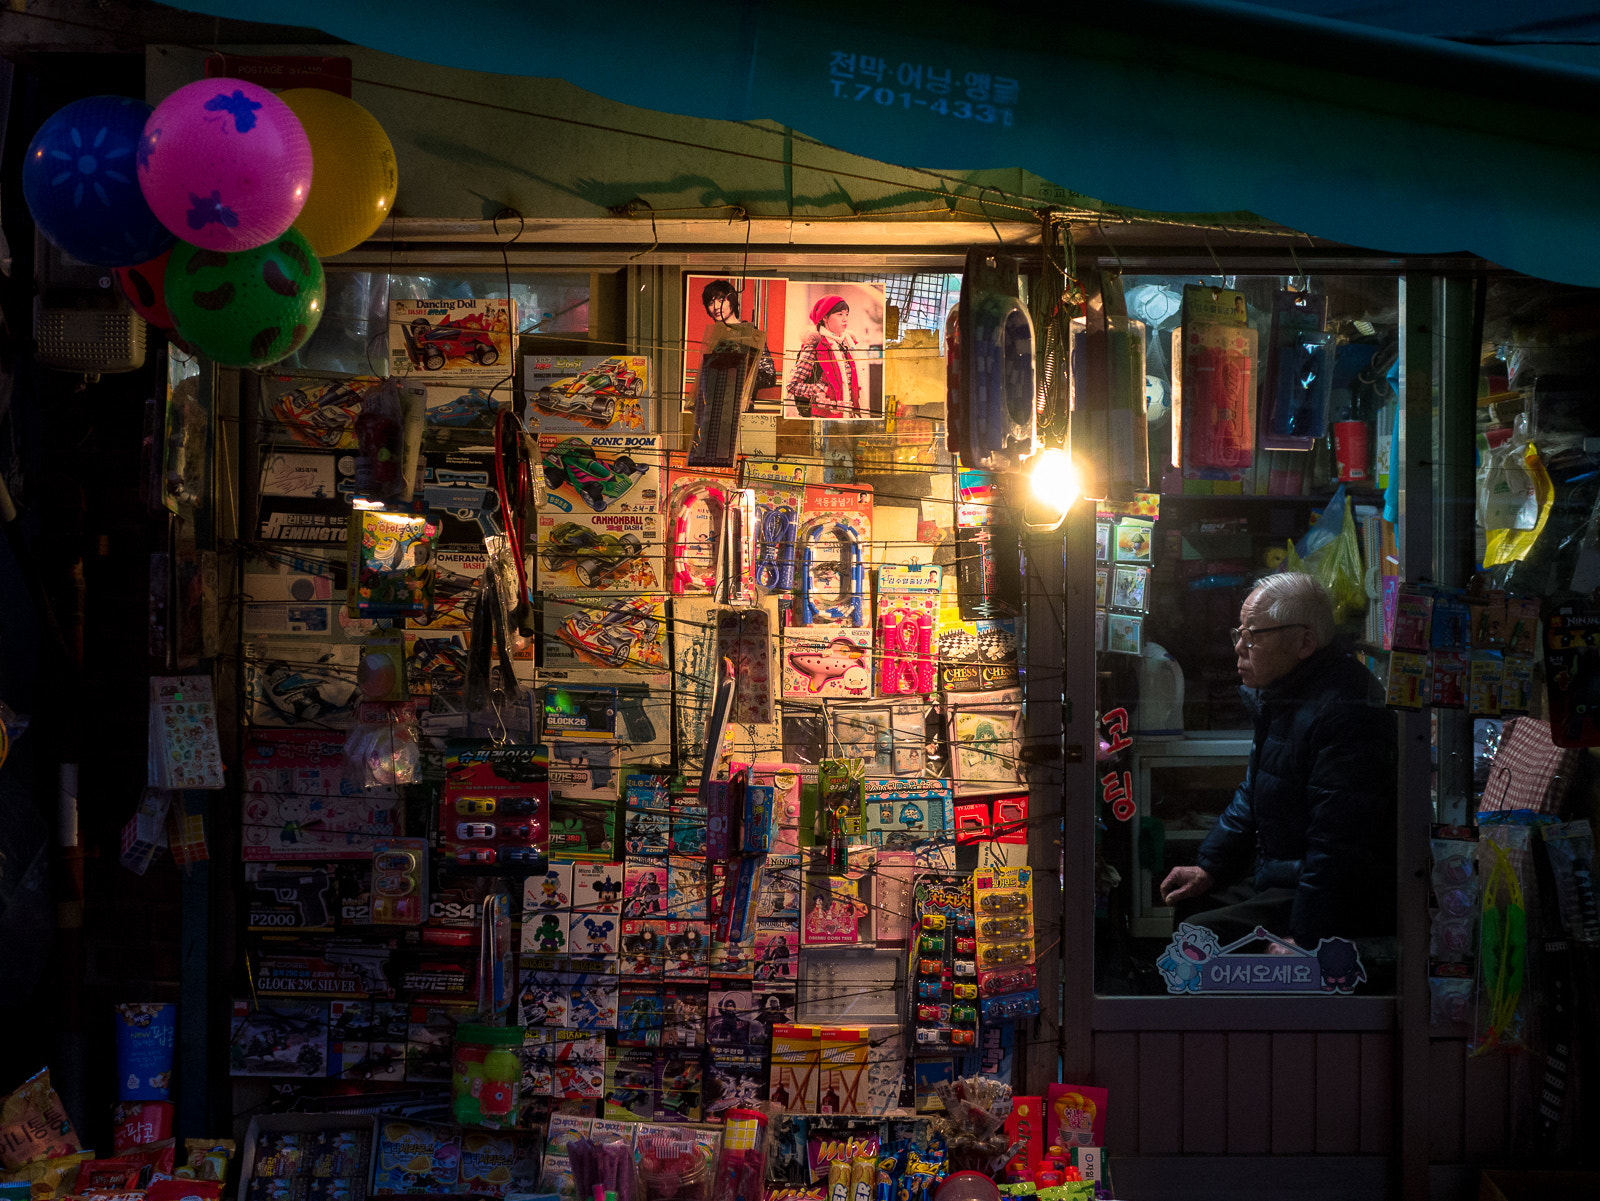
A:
[756, 826]
[146, 1035]
[1011, 1007]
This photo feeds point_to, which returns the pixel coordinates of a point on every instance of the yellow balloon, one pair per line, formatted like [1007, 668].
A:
[354, 175]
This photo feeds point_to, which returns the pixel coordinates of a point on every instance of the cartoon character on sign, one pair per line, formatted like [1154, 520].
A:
[598, 936]
[553, 897]
[1180, 963]
[1340, 964]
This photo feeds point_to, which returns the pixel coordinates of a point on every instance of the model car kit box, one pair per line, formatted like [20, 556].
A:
[609, 552]
[600, 473]
[453, 341]
[587, 393]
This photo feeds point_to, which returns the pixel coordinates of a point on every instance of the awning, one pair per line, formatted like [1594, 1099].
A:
[1383, 138]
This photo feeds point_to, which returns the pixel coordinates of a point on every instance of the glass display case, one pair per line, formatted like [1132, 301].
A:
[1181, 786]
[1269, 400]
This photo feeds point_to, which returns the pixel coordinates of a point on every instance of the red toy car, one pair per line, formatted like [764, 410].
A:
[431, 346]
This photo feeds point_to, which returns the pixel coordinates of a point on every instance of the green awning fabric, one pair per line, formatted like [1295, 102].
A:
[1379, 138]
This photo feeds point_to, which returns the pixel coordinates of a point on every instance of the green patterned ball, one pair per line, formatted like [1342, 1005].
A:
[249, 308]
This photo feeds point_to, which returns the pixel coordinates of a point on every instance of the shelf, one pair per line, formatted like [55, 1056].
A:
[1319, 500]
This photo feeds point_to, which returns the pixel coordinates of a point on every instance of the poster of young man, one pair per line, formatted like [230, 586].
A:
[713, 300]
[833, 352]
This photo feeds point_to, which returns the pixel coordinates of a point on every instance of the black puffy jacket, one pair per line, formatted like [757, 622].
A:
[1316, 811]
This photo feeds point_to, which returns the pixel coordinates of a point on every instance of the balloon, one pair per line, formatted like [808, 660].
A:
[225, 164]
[356, 176]
[250, 308]
[82, 186]
[145, 286]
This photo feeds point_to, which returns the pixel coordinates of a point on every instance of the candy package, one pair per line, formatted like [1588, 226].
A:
[34, 1125]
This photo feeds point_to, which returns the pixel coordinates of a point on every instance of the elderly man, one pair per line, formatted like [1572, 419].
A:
[1306, 848]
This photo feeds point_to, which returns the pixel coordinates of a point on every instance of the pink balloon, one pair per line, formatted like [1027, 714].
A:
[224, 164]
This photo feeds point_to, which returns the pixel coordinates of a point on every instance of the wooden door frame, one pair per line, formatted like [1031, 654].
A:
[1082, 1013]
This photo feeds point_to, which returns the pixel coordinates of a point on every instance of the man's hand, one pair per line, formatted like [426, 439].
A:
[1185, 882]
[1287, 946]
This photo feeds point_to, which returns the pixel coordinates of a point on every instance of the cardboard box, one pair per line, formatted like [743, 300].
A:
[842, 1087]
[796, 1066]
[1026, 1122]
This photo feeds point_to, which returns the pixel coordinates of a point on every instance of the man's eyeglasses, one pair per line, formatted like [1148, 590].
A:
[1248, 637]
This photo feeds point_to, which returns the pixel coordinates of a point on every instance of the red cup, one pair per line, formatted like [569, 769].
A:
[1352, 451]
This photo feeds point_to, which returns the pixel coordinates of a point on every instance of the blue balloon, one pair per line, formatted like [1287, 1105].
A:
[81, 181]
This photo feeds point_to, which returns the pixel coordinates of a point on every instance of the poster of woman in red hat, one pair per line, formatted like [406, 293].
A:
[833, 352]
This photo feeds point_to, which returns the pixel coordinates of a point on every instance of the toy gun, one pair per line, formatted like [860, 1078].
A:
[306, 890]
[369, 962]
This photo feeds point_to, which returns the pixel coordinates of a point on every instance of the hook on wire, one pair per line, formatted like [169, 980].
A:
[629, 210]
[1305, 279]
[985, 210]
[1215, 261]
[508, 213]
[744, 268]
[1121, 267]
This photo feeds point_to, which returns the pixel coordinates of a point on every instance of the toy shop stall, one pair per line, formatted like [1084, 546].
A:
[1456, 544]
[656, 707]
[642, 783]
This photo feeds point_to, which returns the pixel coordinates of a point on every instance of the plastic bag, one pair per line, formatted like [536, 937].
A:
[1500, 1021]
[1332, 554]
[1511, 545]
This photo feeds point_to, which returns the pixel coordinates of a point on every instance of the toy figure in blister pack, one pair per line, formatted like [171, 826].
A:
[848, 611]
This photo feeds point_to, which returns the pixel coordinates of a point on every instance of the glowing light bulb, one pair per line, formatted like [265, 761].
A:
[1054, 480]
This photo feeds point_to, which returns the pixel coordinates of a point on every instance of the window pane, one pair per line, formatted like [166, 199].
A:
[353, 336]
[1281, 399]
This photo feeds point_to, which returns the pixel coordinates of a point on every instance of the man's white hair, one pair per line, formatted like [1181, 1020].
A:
[1295, 598]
